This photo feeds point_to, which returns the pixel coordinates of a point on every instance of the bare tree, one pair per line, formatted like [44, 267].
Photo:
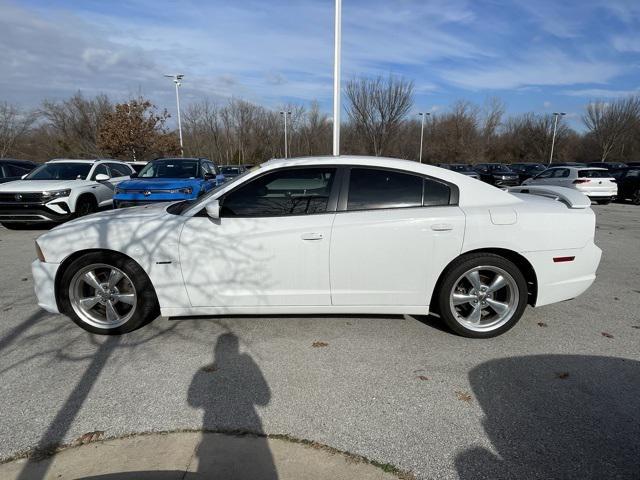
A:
[15, 125]
[76, 123]
[377, 107]
[611, 123]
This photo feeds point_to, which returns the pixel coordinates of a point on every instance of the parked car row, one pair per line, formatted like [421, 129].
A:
[602, 182]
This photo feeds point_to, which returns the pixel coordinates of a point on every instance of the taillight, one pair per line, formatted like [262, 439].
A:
[580, 180]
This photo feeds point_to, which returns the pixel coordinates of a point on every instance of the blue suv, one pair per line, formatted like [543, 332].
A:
[168, 180]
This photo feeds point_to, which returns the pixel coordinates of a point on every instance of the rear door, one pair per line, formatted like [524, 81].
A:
[393, 234]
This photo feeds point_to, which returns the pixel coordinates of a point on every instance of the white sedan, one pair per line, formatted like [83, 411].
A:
[596, 183]
[324, 236]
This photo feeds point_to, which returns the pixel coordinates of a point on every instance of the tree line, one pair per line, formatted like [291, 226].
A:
[380, 121]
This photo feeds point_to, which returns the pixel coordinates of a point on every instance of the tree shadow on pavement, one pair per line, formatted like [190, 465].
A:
[557, 416]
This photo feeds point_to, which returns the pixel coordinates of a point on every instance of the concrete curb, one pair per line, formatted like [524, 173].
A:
[193, 455]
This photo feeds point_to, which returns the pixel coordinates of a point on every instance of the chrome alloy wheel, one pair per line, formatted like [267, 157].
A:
[484, 298]
[102, 296]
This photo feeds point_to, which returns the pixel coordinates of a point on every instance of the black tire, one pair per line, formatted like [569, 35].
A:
[635, 197]
[146, 307]
[456, 270]
[86, 205]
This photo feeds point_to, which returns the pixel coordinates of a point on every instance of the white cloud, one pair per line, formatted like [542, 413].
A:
[600, 93]
[534, 69]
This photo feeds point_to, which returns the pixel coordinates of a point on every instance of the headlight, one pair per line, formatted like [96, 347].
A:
[56, 194]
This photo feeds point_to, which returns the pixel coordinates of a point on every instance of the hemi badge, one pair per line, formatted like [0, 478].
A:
[164, 262]
[563, 259]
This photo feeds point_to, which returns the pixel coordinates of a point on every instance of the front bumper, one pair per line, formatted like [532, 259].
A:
[44, 278]
[31, 213]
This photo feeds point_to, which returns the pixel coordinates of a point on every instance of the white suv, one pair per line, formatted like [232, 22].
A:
[61, 189]
[596, 183]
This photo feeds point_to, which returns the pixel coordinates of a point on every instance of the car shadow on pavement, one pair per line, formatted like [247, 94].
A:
[557, 416]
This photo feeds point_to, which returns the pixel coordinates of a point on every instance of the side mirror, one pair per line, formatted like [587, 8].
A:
[101, 177]
[213, 209]
[209, 176]
[134, 175]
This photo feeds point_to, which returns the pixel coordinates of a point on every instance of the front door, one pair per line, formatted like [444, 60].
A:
[396, 235]
[269, 248]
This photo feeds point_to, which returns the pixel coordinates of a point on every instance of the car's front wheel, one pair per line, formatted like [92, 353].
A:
[107, 294]
[482, 295]
[604, 201]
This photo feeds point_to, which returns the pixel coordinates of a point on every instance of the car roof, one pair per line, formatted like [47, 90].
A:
[84, 160]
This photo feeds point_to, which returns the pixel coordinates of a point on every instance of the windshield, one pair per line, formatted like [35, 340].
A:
[170, 168]
[230, 170]
[460, 168]
[500, 169]
[61, 171]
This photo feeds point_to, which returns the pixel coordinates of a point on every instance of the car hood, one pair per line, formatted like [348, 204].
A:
[41, 185]
[159, 183]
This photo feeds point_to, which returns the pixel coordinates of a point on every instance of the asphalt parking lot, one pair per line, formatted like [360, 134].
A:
[556, 397]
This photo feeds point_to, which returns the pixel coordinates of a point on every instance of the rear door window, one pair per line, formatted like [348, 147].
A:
[371, 188]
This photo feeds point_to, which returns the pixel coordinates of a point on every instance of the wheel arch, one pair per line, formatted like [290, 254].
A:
[75, 255]
[520, 261]
[82, 196]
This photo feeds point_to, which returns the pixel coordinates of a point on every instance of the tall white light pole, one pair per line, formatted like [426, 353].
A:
[555, 128]
[286, 143]
[176, 79]
[336, 80]
[423, 115]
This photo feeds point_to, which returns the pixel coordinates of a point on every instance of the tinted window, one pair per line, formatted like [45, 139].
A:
[594, 174]
[633, 173]
[16, 170]
[61, 171]
[296, 191]
[370, 188]
[435, 193]
[500, 169]
[118, 170]
[460, 168]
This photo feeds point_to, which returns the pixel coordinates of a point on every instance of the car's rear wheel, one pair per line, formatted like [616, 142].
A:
[482, 295]
[604, 201]
[107, 294]
[635, 198]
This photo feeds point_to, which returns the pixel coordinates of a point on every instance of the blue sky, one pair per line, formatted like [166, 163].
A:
[540, 56]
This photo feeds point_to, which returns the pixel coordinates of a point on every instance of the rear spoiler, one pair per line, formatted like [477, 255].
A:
[571, 198]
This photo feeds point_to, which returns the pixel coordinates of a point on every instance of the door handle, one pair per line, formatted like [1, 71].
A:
[441, 227]
[311, 236]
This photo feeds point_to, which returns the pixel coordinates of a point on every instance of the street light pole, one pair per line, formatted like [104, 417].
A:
[555, 128]
[176, 79]
[286, 143]
[336, 79]
[423, 115]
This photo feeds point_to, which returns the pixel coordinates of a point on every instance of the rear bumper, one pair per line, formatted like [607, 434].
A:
[44, 277]
[566, 280]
